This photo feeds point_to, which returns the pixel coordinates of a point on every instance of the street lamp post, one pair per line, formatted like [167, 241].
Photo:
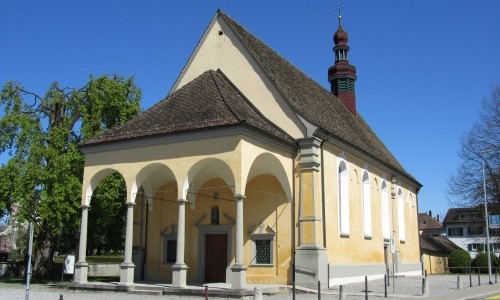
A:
[487, 225]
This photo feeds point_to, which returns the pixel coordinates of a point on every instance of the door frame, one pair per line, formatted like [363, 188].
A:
[203, 230]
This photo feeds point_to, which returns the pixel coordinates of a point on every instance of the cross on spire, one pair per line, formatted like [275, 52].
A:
[339, 8]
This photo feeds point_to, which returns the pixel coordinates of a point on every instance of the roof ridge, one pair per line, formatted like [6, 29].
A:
[224, 100]
[248, 119]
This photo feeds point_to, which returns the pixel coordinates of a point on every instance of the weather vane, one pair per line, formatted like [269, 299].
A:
[339, 7]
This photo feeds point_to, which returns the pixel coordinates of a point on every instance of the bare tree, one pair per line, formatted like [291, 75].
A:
[479, 149]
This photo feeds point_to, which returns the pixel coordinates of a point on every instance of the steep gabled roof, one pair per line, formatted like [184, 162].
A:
[426, 222]
[208, 101]
[313, 102]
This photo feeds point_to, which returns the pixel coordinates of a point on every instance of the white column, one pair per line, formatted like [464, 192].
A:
[238, 276]
[239, 230]
[179, 269]
[127, 267]
[82, 267]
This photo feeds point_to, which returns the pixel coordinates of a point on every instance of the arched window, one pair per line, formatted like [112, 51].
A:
[401, 216]
[343, 199]
[367, 205]
[384, 203]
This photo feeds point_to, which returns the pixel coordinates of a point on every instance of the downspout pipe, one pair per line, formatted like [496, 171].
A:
[294, 226]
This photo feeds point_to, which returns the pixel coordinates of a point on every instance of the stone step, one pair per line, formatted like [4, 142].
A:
[145, 292]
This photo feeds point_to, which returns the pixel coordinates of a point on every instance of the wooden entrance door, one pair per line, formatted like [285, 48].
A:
[215, 257]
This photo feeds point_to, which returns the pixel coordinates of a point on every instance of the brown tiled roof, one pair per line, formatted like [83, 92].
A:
[426, 222]
[208, 101]
[437, 244]
[452, 215]
[315, 103]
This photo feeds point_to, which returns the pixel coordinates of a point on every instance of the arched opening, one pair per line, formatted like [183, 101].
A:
[107, 216]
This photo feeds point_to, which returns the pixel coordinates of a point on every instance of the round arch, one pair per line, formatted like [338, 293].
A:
[267, 163]
[204, 170]
[94, 182]
[151, 178]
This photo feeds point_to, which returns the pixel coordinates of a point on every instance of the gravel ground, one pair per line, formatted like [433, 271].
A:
[405, 288]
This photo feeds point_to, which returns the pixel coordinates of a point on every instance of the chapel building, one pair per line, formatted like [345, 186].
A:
[249, 171]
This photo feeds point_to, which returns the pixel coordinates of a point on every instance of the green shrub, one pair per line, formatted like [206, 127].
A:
[459, 261]
[481, 261]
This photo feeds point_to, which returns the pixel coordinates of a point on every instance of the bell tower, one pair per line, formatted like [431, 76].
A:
[342, 75]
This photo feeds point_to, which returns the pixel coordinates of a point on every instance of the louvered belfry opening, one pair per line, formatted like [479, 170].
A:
[342, 75]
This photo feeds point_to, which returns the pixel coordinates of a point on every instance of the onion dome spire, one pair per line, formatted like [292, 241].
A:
[342, 75]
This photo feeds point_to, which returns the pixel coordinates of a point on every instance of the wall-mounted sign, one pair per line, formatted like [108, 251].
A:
[393, 245]
[494, 221]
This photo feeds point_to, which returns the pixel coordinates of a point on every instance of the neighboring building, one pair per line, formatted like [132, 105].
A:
[249, 168]
[435, 247]
[6, 242]
[435, 251]
[466, 228]
[428, 226]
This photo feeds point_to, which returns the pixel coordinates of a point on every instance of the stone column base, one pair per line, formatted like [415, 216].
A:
[311, 266]
[238, 277]
[81, 272]
[179, 274]
[127, 273]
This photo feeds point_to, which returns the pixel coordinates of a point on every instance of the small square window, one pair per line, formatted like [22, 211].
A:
[262, 248]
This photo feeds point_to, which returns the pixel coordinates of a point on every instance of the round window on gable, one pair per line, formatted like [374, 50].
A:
[221, 33]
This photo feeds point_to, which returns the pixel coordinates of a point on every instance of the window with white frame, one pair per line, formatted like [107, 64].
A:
[386, 231]
[262, 248]
[343, 193]
[401, 216]
[169, 248]
[367, 206]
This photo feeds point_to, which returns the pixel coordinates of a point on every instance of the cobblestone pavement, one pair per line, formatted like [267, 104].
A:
[440, 287]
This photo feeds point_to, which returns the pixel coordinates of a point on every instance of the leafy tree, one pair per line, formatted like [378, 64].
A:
[44, 172]
[479, 146]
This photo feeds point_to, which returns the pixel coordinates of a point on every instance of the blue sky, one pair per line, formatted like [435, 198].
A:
[423, 66]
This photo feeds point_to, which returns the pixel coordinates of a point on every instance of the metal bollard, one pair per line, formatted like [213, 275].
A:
[459, 282]
[319, 290]
[478, 278]
[496, 275]
[206, 292]
[470, 277]
[341, 293]
[366, 287]
[425, 287]
[257, 293]
[385, 285]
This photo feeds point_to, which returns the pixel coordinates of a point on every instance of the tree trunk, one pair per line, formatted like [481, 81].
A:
[43, 256]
